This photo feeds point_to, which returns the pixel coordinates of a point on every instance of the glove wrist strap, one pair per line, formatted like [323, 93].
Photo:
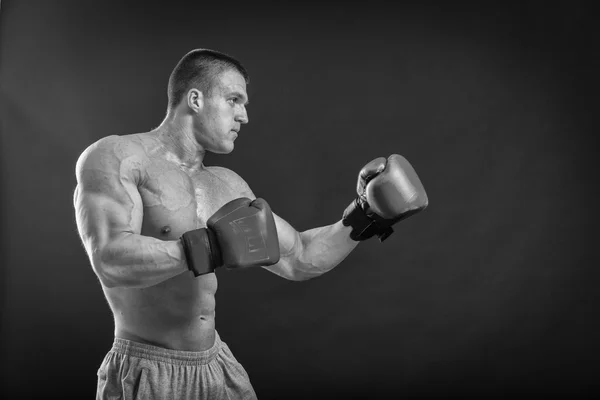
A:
[364, 226]
[201, 250]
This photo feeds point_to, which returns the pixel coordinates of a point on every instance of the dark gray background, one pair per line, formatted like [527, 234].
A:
[491, 291]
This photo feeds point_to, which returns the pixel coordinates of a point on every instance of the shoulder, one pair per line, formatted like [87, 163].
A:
[118, 146]
[225, 173]
[108, 153]
[232, 179]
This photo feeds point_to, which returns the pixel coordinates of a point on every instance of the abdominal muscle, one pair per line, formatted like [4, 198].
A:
[177, 314]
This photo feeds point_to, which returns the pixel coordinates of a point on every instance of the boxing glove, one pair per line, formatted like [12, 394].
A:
[388, 192]
[240, 234]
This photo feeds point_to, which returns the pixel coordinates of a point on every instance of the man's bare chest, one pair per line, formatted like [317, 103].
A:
[176, 201]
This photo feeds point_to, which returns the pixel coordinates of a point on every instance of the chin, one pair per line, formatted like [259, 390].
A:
[224, 149]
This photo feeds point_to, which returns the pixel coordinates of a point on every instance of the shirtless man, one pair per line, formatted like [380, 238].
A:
[156, 222]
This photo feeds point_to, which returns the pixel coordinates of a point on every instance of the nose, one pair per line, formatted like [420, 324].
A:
[242, 115]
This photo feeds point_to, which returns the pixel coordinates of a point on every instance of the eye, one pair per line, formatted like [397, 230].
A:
[233, 100]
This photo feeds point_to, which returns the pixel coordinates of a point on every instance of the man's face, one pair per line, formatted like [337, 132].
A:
[223, 113]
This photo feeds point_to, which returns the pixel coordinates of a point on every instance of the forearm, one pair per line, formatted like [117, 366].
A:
[318, 251]
[138, 261]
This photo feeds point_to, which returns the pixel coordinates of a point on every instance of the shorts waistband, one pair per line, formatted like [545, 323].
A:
[155, 353]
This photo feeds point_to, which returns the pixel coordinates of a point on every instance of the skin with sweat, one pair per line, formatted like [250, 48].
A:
[137, 194]
[178, 312]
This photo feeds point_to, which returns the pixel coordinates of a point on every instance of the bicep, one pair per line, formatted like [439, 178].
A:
[289, 239]
[290, 246]
[107, 202]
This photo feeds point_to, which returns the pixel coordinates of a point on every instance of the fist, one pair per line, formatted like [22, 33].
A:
[391, 188]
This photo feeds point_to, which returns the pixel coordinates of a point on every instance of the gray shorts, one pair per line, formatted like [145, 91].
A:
[134, 370]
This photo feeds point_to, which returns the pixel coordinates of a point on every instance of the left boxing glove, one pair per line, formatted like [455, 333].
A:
[240, 234]
[388, 191]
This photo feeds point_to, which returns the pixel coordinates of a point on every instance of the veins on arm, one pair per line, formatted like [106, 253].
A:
[303, 255]
[109, 218]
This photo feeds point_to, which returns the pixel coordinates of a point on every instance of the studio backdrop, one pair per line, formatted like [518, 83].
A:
[492, 290]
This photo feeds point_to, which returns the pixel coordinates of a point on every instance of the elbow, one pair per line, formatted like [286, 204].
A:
[104, 275]
[286, 270]
[110, 277]
[109, 283]
[107, 272]
[300, 273]
[302, 277]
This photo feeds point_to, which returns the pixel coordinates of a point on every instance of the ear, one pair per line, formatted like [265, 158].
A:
[195, 100]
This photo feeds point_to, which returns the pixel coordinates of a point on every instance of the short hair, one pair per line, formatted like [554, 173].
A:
[198, 69]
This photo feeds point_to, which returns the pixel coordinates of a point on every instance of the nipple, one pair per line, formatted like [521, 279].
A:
[165, 229]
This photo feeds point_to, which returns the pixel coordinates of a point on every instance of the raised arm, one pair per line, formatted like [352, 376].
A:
[311, 253]
[388, 190]
[109, 211]
[303, 255]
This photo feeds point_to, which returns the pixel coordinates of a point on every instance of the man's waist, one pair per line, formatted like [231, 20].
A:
[152, 352]
[199, 335]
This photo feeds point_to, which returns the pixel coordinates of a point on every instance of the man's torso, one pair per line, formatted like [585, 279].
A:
[178, 313]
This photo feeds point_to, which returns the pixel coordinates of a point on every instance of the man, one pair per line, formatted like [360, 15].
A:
[156, 222]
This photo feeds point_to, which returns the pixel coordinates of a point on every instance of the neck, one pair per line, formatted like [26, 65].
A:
[179, 143]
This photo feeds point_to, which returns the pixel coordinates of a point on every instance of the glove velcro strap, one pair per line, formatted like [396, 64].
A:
[365, 226]
[201, 251]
